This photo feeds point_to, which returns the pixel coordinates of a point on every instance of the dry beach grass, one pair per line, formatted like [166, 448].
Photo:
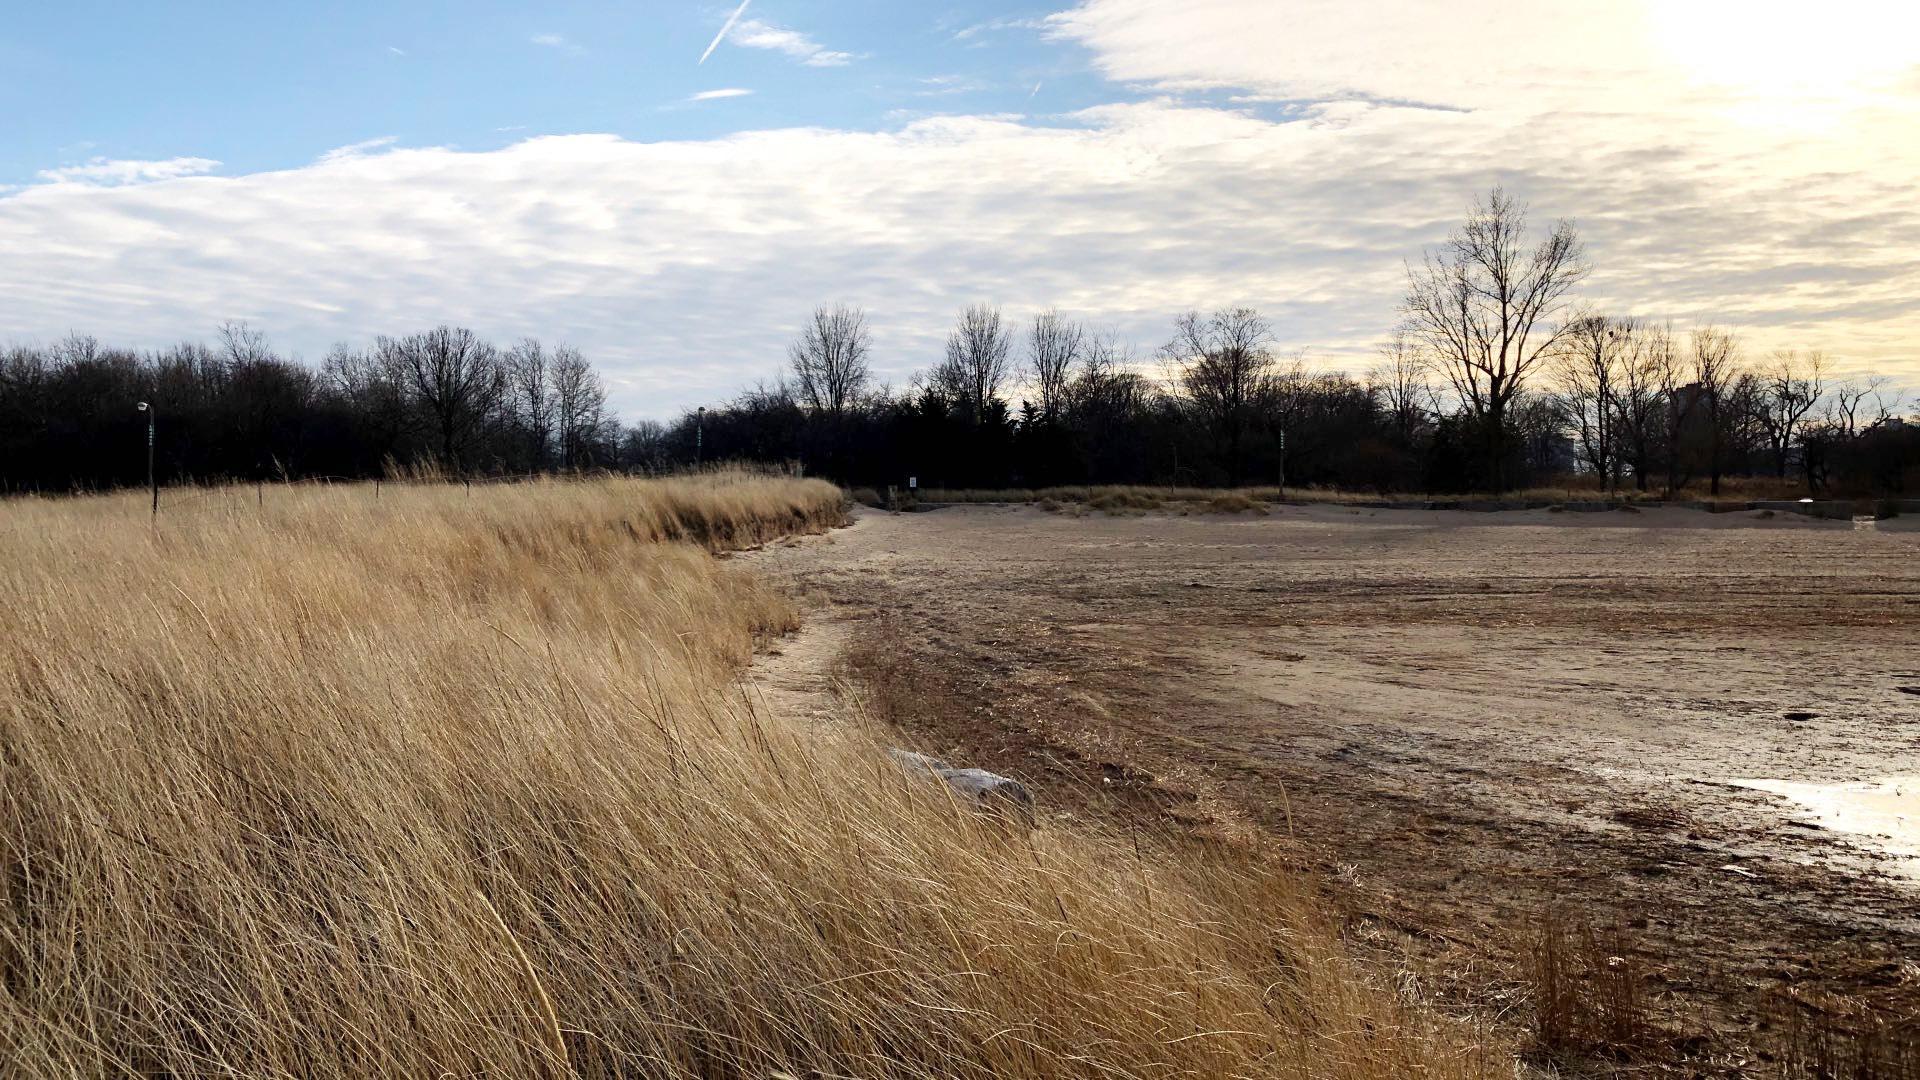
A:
[420, 782]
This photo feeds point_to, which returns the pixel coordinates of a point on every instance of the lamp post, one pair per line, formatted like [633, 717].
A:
[152, 482]
[700, 438]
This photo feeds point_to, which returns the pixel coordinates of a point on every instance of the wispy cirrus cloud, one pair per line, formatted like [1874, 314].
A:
[359, 149]
[757, 34]
[980, 30]
[108, 171]
[720, 94]
[946, 85]
[556, 41]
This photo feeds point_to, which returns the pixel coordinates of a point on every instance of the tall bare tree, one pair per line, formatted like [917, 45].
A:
[1591, 363]
[1054, 346]
[1638, 403]
[455, 377]
[829, 359]
[1790, 386]
[975, 367]
[579, 406]
[1680, 407]
[1224, 363]
[1483, 307]
[1398, 380]
[1716, 382]
[530, 398]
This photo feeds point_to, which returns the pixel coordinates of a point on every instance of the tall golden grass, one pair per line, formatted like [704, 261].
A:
[431, 783]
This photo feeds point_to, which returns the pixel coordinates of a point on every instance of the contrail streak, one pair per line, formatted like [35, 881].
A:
[719, 37]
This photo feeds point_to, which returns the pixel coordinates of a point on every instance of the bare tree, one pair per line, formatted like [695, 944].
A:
[1224, 363]
[1483, 307]
[1591, 363]
[1856, 406]
[241, 344]
[1106, 383]
[977, 358]
[1638, 401]
[77, 349]
[1680, 405]
[644, 447]
[455, 377]
[1716, 376]
[1106, 401]
[373, 388]
[1054, 345]
[1398, 381]
[579, 406]
[1288, 390]
[1791, 385]
[830, 359]
[531, 398]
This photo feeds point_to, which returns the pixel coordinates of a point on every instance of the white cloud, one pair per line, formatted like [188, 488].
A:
[359, 149]
[396, 51]
[1505, 54]
[682, 267]
[992, 26]
[101, 170]
[556, 41]
[946, 85]
[755, 34]
[717, 95]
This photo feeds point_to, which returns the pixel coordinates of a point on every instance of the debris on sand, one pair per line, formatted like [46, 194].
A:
[987, 789]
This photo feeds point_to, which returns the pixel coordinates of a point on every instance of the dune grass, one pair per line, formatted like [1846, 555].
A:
[425, 783]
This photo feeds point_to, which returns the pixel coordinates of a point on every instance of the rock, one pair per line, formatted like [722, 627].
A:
[909, 760]
[988, 790]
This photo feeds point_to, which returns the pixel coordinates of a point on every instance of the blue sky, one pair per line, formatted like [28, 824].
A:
[334, 172]
[269, 86]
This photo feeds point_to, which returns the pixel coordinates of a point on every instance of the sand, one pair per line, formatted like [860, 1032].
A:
[1653, 722]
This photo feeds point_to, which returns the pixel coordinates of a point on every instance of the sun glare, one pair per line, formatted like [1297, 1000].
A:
[1792, 49]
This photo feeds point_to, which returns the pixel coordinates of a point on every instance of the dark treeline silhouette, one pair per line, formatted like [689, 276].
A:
[237, 410]
[1496, 377]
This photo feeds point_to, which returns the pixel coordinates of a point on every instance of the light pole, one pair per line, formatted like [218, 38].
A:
[152, 483]
[700, 439]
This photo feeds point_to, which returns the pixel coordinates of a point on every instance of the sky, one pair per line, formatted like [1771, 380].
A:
[672, 186]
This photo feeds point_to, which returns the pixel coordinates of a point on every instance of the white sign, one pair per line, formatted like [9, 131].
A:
[913, 482]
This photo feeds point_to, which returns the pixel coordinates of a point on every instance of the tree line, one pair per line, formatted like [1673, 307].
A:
[235, 409]
[1495, 376]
